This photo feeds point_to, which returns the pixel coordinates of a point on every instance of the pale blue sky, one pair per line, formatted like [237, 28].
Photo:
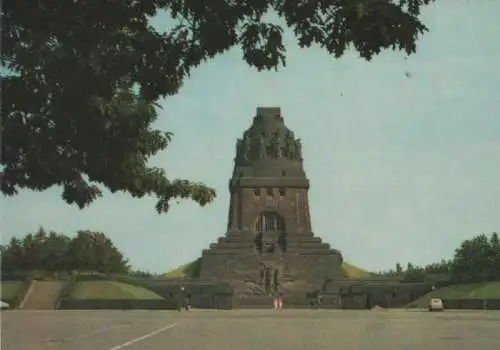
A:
[402, 169]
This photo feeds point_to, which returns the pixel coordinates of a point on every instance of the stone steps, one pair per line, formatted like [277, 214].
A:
[42, 295]
[249, 248]
[225, 251]
[232, 245]
[304, 239]
[243, 240]
[306, 243]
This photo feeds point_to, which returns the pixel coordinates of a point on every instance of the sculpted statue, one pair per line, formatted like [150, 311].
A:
[233, 231]
[299, 149]
[239, 149]
[262, 147]
[276, 147]
[290, 147]
[248, 147]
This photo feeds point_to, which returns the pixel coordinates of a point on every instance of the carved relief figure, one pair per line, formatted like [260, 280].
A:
[262, 147]
[290, 147]
[282, 241]
[239, 149]
[276, 146]
[258, 242]
[276, 279]
[262, 245]
[299, 149]
[248, 147]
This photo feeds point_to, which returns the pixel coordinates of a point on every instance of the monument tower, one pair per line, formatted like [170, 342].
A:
[269, 241]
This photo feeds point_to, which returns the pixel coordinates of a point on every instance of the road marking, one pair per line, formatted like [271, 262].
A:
[88, 334]
[133, 341]
[94, 332]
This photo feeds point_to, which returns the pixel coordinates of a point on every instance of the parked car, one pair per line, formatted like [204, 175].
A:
[4, 305]
[436, 304]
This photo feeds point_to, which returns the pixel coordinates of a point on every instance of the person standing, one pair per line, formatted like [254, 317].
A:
[315, 299]
[188, 300]
[184, 299]
[180, 298]
[275, 296]
[280, 302]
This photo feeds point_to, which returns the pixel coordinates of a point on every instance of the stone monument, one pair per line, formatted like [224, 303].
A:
[269, 245]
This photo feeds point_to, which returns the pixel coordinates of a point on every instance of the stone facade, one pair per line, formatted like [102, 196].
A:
[269, 243]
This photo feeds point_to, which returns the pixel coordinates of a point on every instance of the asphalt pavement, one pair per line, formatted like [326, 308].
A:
[250, 329]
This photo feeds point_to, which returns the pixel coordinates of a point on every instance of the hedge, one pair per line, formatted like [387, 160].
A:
[92, 276]
[14, 276]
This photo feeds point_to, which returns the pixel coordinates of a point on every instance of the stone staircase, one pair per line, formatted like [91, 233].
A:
[250, 294]
[42, 295]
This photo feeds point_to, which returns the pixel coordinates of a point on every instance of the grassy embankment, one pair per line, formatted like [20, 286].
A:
[192, 269]
[89, 290]
[8, 290]
[111, 290]
[486, 290]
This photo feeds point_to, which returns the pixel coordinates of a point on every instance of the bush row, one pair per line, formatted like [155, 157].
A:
[35, 274]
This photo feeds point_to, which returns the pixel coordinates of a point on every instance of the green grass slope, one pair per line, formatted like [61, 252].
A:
[110, 290]
[355, 272]
[189, 270]
[192, 270]
[8, 290]
[487, 290]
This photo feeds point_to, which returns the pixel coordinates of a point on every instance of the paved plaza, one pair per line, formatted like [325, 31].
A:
[248, 329]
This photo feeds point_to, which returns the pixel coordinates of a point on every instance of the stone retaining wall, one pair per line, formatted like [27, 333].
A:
[472, 304]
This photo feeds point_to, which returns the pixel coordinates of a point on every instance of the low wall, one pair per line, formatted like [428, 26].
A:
[253, 302]
[472, 304]
[366, 294]
[203, 296]
[354, 301]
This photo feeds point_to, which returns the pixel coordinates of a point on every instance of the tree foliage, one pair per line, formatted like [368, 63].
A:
[475, 260]
[93, 251]
[80, 99]
[53, 252]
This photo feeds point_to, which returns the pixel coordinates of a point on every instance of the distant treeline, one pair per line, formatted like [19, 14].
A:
[476, 260]
[54, 252]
